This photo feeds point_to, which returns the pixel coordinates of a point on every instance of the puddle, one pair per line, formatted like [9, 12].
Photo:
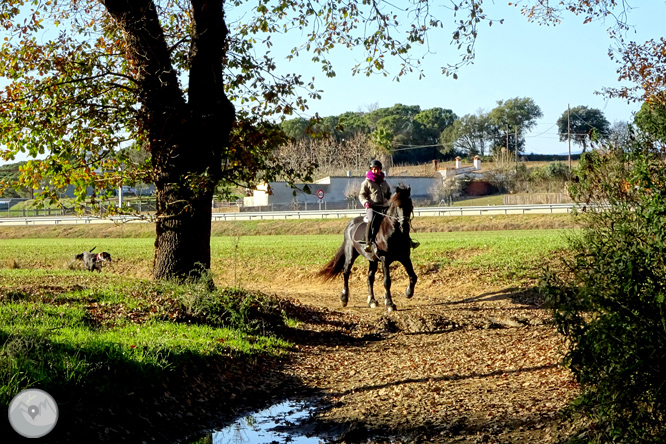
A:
[287, 422]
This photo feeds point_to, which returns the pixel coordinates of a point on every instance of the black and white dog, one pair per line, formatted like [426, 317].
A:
[93, 261]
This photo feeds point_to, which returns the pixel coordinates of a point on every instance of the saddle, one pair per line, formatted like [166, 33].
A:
[358, 234]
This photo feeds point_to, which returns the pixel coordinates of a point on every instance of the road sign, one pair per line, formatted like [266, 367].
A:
[320, 194]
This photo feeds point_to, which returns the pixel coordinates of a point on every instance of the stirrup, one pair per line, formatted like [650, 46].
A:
[368, 248]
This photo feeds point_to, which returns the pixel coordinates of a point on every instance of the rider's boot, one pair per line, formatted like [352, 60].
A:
[369, 240]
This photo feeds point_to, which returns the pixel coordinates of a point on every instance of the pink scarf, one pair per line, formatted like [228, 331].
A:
[377, 178]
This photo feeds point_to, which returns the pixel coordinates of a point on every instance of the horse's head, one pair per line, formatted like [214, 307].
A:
[401, 208]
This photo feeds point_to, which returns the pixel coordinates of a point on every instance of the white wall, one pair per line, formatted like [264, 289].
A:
[334, 190]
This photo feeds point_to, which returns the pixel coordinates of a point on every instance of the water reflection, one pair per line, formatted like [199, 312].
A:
[281, 423]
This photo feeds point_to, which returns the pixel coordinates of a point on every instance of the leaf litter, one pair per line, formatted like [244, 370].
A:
[463, 361]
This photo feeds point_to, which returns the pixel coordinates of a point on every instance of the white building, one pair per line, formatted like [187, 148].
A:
[342, 191]
[337, 191]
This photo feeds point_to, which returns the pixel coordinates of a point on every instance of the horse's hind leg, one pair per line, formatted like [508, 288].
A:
[350, 257]
[372, 269]
[409, 268]
[388, 300]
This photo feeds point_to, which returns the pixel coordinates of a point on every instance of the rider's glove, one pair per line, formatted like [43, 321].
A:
[366, 205]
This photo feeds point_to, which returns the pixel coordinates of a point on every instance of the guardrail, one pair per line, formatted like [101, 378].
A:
[418, 212]
[67, 220]
[315, 214]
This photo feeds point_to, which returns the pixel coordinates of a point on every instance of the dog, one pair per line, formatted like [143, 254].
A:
[93, 261]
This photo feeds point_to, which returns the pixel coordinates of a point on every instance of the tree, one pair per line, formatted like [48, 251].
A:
[351, 124]
[406, 112]
[9, 173]
[296, 128]
[608, 295]
[584, 124]
[651, 119]
[429, 124]
[514, 117]
[471, 134]
[608, 300]
[88, 77]
[619, 134]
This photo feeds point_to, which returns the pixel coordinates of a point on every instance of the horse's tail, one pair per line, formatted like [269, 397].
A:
[334, 266]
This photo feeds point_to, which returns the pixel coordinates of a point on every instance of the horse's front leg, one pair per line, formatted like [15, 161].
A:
[372, 269]
[388, 300]
[409, 268]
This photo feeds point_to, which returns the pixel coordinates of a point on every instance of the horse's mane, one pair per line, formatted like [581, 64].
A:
[400, 199]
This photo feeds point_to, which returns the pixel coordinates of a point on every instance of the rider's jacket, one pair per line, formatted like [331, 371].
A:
[375, 193]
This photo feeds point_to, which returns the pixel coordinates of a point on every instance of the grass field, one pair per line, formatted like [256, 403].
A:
[73, 333]
[515, 252]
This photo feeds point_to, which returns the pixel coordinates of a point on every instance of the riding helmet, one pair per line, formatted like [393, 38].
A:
[376, 163]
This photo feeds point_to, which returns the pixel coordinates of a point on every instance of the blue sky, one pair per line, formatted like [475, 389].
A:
[554, 65]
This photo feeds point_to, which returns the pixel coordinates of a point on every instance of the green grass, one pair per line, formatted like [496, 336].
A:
[507, 254]
[516, 251]
[495, 199]
[63, 331]
[63, 328]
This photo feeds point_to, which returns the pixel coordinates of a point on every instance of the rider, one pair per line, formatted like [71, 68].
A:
[374, 196]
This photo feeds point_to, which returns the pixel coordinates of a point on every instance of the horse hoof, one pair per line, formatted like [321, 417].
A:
[391, 308]
[343, 304]
[373, 305]
[409, 293]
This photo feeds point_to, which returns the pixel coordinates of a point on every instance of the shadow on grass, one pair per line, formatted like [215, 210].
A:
[121, 400]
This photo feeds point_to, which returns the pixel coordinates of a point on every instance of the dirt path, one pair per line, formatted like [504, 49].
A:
[457, 363]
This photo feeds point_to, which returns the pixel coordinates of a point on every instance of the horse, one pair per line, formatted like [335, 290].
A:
[393, 244]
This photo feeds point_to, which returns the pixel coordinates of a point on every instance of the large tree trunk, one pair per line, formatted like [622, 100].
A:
[184, 199]
[182, 243]
[185, 138]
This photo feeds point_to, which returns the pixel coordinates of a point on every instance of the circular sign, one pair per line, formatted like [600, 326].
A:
[33, 413]
[320, 194]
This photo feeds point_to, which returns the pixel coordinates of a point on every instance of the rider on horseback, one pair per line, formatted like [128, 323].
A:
[374, 196]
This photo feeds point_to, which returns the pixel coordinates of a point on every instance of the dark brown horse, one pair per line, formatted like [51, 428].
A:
[393, 244]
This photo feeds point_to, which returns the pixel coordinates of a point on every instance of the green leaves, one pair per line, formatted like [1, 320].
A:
[70, 102]
[608, 298]
[75, 95]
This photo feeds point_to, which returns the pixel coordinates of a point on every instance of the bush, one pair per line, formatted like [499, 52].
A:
[609, 299]
[250, 312]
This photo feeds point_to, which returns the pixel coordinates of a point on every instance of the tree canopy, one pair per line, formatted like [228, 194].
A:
[471, 134]
[651, 119]
[584, 125]
[406, 132]
[513, 118]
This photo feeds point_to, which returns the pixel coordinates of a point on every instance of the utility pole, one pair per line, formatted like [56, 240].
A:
[120, 190]
[515, 144]
[569, 134]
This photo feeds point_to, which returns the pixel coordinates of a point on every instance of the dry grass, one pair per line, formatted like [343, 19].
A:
[12, 264]
[294, 227]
